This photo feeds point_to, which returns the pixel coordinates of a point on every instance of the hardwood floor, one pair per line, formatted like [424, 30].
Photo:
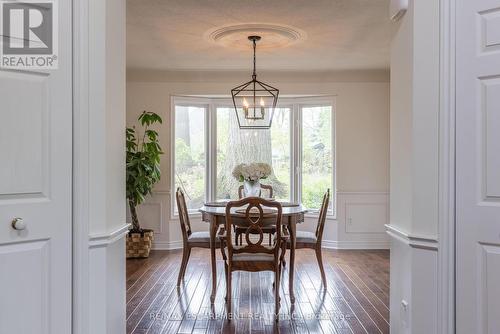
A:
[356, 301]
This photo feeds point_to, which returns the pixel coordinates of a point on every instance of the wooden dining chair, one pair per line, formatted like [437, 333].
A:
[238, 232]
[254, 256]
[189, 239]
[312, 240]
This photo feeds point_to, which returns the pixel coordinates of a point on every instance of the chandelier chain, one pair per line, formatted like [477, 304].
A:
[254, 75]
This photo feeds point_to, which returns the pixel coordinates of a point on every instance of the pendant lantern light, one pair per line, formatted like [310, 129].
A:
[254, 101]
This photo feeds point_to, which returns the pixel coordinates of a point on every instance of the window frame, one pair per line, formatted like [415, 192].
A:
[295, 104]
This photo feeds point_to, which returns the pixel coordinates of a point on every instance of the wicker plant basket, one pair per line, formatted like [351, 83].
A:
[139, 244]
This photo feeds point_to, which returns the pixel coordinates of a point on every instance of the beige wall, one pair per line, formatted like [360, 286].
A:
[362, 121]
[362, 135]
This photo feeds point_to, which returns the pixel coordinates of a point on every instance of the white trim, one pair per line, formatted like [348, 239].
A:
[413, 240]
[104, 239]
[446, 207]
[295, 104]
[167, 245]
[346, 244]
[81, 222]
[326, 244]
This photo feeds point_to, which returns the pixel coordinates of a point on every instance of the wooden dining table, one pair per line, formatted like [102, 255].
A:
[215, 215]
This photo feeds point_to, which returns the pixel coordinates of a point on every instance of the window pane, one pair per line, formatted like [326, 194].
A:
[317, 162]
[235, 146]
[190, 154]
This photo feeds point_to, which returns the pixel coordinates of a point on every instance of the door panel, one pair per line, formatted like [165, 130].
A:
[27, 133]
[35, 185]
[28, 276]
[478, 166]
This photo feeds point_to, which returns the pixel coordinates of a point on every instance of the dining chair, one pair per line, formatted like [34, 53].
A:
[238, 232]
[189, 239]
[253, 214]
[312, 240]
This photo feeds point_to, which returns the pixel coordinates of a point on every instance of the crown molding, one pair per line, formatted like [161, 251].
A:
[204, 76]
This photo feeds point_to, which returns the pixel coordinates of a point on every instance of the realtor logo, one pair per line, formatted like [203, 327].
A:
[29, 34]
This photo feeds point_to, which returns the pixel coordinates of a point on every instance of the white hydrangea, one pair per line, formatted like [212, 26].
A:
[252, 172]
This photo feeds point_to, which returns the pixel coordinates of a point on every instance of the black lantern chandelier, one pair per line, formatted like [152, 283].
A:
[254, 101]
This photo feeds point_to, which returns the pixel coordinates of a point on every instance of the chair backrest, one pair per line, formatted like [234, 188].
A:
[269, 188]
[183, 214]
[254, 213]
[322, 216]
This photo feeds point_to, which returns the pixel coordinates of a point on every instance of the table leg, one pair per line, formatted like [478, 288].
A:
[292, 229]
[213, 231]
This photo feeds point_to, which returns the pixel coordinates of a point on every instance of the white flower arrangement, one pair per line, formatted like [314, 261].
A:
[252, 172]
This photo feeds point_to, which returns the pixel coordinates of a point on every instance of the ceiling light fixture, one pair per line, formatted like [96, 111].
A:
[254, 101]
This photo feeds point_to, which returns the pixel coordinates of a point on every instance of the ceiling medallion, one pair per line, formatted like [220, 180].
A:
[273, 35]
[254, 101]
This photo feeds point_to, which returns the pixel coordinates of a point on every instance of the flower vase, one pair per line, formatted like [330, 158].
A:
[251, 188]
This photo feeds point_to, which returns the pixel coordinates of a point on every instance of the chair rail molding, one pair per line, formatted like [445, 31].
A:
[104, 239]
[412, 240]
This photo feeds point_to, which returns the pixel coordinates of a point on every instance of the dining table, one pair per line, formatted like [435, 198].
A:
[214, 214]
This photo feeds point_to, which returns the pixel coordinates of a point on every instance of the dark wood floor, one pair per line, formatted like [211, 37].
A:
[356, 301]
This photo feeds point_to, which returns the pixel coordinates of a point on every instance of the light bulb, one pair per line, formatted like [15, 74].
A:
[262, 104]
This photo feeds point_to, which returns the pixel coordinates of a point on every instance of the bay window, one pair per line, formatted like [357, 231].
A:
[207, 144]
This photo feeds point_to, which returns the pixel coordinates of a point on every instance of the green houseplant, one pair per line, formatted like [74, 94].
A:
[143, 172]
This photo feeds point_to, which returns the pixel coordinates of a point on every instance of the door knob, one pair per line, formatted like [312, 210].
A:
[18, 224]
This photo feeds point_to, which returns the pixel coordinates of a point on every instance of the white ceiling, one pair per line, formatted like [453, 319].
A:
[340, 34]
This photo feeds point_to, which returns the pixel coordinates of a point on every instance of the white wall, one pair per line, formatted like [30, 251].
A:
[100, 211]
[107, 116]
[414, 169]
[362, 140]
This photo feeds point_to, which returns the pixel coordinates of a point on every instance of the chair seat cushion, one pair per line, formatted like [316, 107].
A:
[249, 257]
[203, 236]
[306, 237]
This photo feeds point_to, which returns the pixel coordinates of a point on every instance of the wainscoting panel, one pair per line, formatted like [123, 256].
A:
[414, 286]
[362, 217]
[358, 225]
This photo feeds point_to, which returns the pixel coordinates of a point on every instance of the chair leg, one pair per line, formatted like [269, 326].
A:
[228, 293]
[270, 239]
[236, 237]
[276, 294]
[186, 252]
[320, 264]
[282, 257]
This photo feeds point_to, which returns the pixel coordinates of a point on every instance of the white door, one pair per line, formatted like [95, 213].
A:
[478, 166]
[35, 185]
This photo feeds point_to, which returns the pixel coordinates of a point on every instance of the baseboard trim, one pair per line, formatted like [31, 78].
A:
[415, 241]
[102, 240]
[344, 244]
[167, 245]
[328, 244]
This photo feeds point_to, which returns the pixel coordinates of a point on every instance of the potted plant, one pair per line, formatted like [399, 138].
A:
[143, 172]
